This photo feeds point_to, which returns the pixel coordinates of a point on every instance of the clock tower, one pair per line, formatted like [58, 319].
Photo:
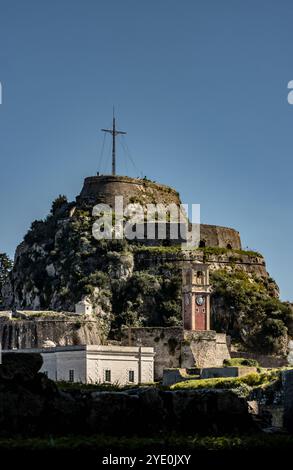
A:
[196, 297]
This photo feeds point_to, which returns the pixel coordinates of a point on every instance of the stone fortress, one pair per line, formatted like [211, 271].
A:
[193, 345]
[104, 189]
[113, 312]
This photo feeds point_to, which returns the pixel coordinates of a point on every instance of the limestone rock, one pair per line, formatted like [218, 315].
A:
[59, 262]
[48, 344]
[51, 271]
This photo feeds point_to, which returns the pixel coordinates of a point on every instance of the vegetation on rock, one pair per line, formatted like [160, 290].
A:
[244, 383]
[129, 284]
[240, 361]
[243, 307]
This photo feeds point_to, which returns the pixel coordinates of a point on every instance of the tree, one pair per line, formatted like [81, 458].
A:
[270, 338]
[58, 204]
[5, 267]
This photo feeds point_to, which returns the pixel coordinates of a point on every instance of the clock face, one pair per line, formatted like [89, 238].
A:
[199, 300]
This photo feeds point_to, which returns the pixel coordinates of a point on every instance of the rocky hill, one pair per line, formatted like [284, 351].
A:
[59, 262]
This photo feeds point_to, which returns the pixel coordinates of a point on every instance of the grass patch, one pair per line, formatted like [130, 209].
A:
[251, 380]
[208, 250]
[101, 387]
[196, 442]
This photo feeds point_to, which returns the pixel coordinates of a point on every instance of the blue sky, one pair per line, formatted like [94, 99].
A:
[200, 87]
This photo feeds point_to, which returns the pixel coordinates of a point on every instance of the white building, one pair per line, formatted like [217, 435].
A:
[84, 307]
[97, 364]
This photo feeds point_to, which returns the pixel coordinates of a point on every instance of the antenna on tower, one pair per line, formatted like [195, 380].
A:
[114, 133]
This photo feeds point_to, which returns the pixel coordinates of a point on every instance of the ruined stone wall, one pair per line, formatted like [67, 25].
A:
[264, 360]
[175, 347]
[165, 341]
[203, 349]
[223, 347]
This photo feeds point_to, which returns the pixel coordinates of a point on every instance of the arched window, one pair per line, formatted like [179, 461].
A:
[202, 244]
[229, 246]
[199, 277]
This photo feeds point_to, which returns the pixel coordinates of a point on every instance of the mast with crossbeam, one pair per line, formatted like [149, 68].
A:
[114, 133]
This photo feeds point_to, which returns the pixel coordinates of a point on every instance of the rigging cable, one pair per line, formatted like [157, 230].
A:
[128, 154]
[102, 154]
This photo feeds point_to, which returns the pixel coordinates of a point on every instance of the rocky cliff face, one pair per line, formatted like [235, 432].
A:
[59, 262]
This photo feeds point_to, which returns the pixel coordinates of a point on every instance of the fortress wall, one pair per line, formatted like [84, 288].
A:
[210, 236]
[165, 341]
[223, 237]
[134, 190]
[264, 360]
[33, 333]
[204, 349]
[103, 189]
[175, 347]
[252, 265]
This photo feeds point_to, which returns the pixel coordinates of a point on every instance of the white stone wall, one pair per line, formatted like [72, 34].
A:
[71, 360]
[119, 361]
[90, 363]
[147, 368]
[49, 365]
[57, 364]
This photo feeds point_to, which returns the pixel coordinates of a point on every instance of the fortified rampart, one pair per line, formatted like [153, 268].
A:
[17, 334]
[104, 189]
[252, 264]
[175, 347]
[223, 237]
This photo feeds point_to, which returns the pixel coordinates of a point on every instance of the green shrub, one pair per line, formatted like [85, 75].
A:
[59, 203]
[240, 361]
[157, 250]
[216, 250]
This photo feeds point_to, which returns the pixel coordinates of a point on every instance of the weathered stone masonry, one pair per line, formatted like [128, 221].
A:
[175, 347]
[103, 189]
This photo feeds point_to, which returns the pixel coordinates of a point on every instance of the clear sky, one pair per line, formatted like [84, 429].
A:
[199, 85]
